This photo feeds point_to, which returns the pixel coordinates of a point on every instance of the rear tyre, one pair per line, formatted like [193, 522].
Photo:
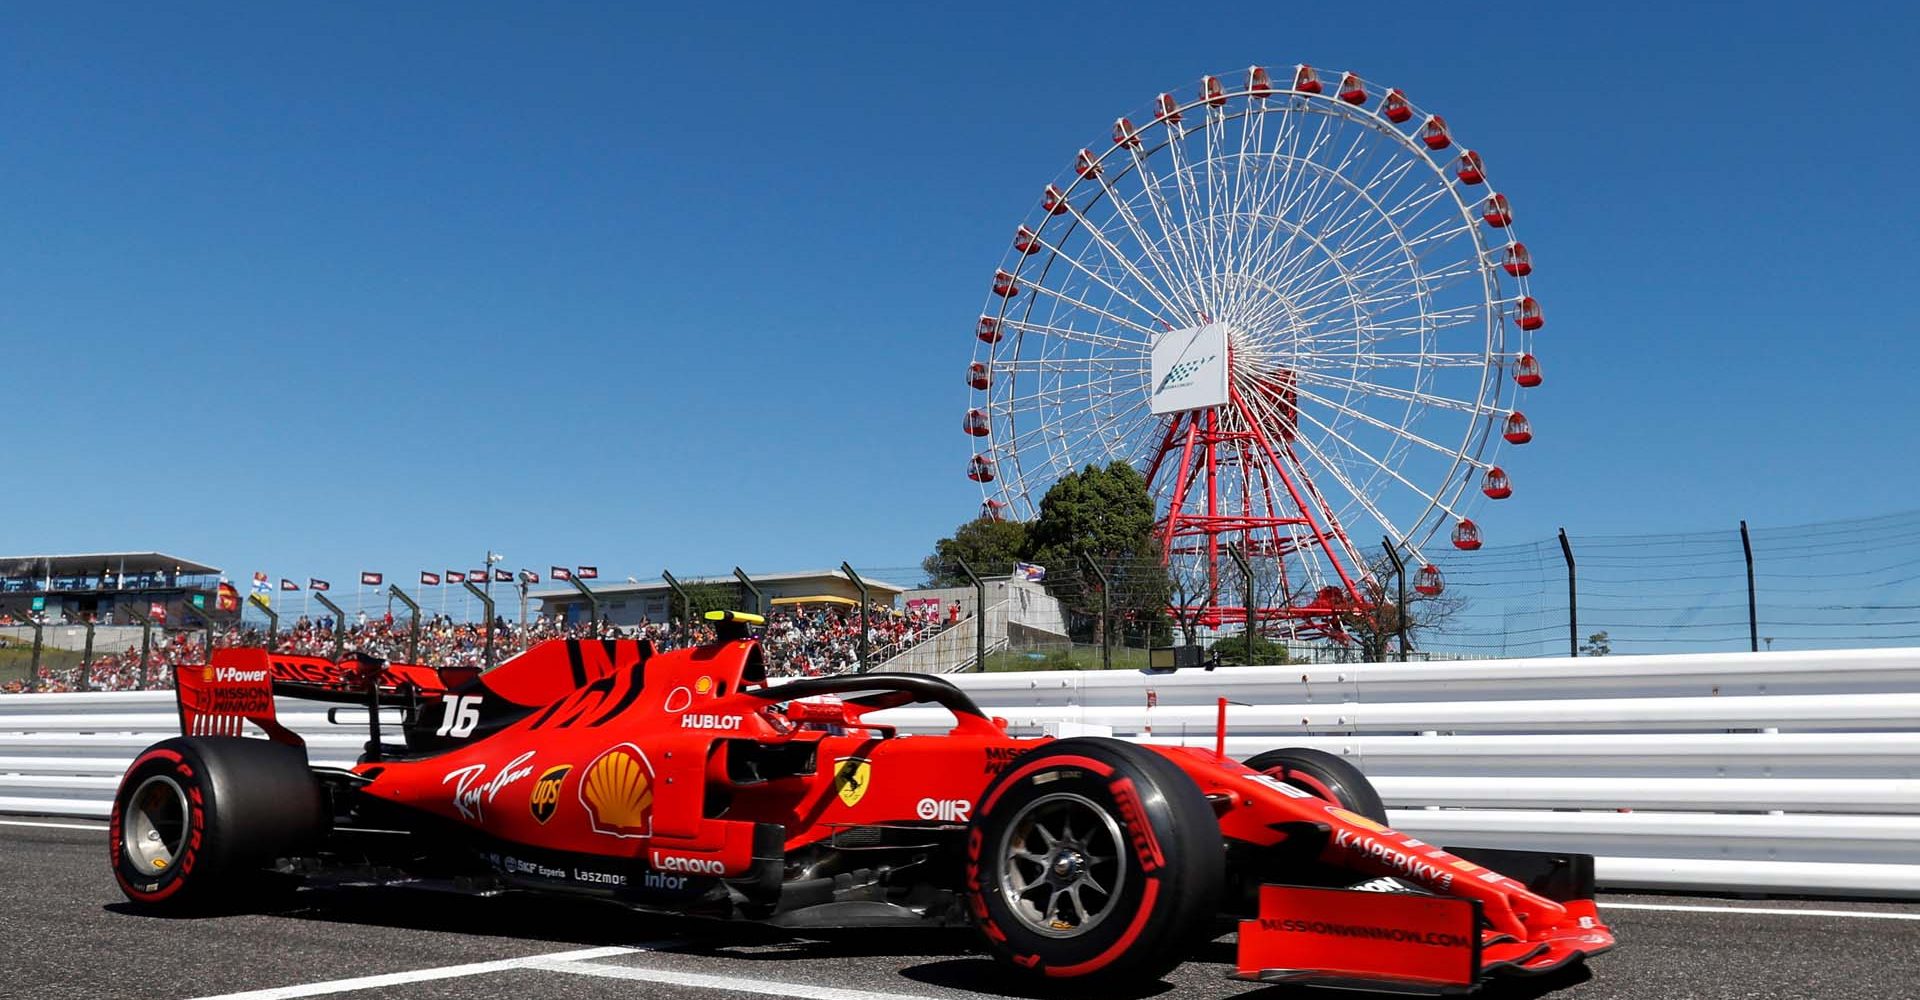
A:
[1095, 861]
[1324, 776]
[197, 819]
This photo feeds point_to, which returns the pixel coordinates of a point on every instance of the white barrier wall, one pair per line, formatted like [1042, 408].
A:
[1781, 772]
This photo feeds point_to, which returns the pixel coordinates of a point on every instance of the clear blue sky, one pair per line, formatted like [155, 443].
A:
[320, 288]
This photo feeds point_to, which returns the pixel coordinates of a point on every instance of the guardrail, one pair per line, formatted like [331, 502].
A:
[1721, 772]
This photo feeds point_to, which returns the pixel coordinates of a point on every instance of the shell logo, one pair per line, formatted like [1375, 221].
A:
[617, 791]
[206, 675]
[703, 685]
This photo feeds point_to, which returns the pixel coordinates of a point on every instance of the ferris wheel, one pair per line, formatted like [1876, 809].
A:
[1299, 310]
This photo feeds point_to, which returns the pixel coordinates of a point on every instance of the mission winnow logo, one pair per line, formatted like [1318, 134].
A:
[1181, 375]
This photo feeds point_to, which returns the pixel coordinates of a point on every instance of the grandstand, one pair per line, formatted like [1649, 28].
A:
[104, 586]
[635, 603]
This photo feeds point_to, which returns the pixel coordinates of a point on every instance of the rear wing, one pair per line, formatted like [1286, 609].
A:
[317, 678]
[220, 697]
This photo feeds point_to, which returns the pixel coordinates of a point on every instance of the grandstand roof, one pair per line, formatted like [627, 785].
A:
[90, 562]
[880, 588]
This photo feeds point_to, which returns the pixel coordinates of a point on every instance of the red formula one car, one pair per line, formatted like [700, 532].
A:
[682, 782]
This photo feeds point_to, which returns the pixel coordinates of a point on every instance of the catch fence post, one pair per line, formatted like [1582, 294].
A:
[273, 619]
[34, 679]
[1573, 598]
[979, 617]
[865, 600]
[146, 643]
[86, 658]
[339, 625]
[1253, 605]
[486, 602]
[1753, 610]
[686, 604]
[759, 604]
[413, 630]
[1106, 643]
[1400, 586]
[593, 606]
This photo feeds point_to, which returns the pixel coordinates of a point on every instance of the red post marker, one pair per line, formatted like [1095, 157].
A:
[1220, 730]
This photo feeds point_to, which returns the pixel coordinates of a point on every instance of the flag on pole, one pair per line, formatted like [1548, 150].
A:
[226, 597]
[158, 612]
[286, 584]
[262, 589]
[529, 576]
[1029, 572]
[559, 572]
[502, 576]
[429, 579]
[588, 573]
[314, 583]
[477, 575]
[370, 579]
[455, 576]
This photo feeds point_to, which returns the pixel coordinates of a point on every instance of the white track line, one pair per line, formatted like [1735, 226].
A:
[421, 975]
[1858, 914]
[50, 826]
[731, 984]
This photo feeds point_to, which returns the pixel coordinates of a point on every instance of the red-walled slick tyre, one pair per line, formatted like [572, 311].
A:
[1094, 860]
[1325, 776]
[196, 820]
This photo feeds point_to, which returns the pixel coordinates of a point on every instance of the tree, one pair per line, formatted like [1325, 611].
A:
[1598, 644]
[1233, 650]
[1106, 515]
[989, 545]
[1375, 628]
[707, 597]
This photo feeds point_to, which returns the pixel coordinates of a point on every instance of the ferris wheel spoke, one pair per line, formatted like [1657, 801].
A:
[1400, 432]
[1344, 360]
[1134, 382]
[1268, 416]
[1373, 460]
[1087, 337]
[1393, 393]
[1062, 297]
[1090, 273]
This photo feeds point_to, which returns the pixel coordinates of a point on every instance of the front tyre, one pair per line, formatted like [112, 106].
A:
[1094, 860]
[196, 819]
[1324, 776]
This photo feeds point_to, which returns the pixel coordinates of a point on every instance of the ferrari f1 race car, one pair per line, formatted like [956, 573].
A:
[683, 782]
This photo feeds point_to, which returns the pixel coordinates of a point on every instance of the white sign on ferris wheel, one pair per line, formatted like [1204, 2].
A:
[1189, 369]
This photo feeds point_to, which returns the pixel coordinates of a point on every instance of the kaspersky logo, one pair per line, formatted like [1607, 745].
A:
[1181, 375]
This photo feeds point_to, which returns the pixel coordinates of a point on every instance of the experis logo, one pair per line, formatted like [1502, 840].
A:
[1181, 375]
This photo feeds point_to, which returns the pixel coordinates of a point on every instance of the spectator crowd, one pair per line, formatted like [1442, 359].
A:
[808, 642]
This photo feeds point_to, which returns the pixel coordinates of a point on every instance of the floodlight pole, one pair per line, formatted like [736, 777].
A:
[1253, 610]
[1400, 582]
[1106, 641]
[339, 625]
[413, 630]
[273, 618]
[865, 600]
[486, 601]
[686, 604]
[979, 616]
[759, 608]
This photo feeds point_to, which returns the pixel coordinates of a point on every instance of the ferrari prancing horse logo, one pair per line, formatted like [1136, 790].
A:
[851, 776]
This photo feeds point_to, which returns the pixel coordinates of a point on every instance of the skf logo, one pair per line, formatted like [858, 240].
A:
[1180, 374]
[949, 810]
[617, 791]
[851, 775]
[546, 791]
[728, 722]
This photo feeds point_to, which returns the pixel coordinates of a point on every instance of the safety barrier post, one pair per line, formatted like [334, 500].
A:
[1400, 585]
[686, 604]
[486, 602]
[413, 630]
[339, 626]
[865, 600]
[979, 616]
[1573, 598]
[1753, 611]
[1253, 605]
[759, 608]
[273, 618]
[1106, 640]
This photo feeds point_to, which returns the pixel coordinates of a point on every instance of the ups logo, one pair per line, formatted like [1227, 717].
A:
[546, 792]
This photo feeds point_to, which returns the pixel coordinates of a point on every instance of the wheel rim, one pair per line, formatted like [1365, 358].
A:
[1061, 868]
[155, 830]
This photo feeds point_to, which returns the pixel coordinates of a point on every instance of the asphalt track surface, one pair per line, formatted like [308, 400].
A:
[65, 932]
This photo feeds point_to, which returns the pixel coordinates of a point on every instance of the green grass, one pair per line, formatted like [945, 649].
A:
[1076, 658]
[16, 661]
